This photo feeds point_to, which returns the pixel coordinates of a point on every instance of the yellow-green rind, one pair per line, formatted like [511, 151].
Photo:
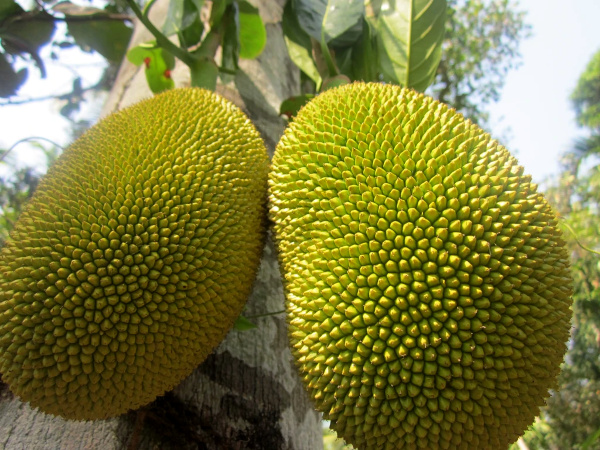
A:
[134, 257]
[427, 283]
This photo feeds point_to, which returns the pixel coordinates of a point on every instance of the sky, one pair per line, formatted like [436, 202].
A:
[535, 103]
[534, 111]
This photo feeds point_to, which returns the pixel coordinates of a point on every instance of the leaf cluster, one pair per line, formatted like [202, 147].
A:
[334, 42]
[24, 33]
[235, 26]
[586, 96]
[17, 185]
[481, 46]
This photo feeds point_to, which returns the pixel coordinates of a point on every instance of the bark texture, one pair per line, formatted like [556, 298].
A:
[247, 394]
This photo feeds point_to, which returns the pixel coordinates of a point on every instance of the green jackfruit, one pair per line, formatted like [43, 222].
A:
[134, 257]
[428, 287]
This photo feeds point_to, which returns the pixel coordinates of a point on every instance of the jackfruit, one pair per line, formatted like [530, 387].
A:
[428, 286]
[134, 257]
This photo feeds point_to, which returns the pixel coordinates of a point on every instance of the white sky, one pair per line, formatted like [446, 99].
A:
[534, 107]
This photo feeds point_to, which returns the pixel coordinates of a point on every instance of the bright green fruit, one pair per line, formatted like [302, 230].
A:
[427, 282]
[134, 257]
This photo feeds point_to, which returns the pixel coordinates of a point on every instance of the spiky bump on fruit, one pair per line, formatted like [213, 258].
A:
[134, 257]
[427, 284]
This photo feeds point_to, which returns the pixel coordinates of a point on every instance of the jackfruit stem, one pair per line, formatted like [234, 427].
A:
[331, 67]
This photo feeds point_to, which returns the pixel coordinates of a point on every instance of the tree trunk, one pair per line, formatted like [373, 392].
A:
[247, 394]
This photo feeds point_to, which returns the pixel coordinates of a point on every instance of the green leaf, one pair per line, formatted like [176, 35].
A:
[243, 324]
[184, 16]
[592, 438]
[192, 26]
[158, 63]
[292, 105]
[108, 37]
[252, 32]
[410, 34]
[173, 22]
[231, 42]
[299, 44]
[26, 32]
[339, 22]
[9, 8]
[31, 29]
[11, 80]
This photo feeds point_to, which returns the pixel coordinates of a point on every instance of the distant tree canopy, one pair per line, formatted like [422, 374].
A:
[586, 96]
[481, 46]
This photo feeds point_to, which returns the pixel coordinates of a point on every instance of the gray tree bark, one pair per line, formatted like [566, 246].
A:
[247, 394]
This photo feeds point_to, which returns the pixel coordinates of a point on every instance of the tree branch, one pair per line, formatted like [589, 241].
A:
[180, 53]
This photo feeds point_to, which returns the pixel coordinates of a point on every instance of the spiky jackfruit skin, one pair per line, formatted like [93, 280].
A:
[134, 257]
[427, 284]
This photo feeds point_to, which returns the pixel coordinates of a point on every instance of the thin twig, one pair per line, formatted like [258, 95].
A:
[50, 17]
[64, 96]
[265, 314]
[577, 239]
[32, 138]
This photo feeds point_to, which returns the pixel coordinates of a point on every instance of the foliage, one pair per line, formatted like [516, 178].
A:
[572, 416]
[235, 26]
[480, 47]
[17, 185]
[573, 413]
[380, 40]
[24, 33]
[586, 96]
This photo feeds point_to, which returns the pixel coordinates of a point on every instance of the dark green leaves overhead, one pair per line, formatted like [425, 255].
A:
[398, 41]
[338, 22]
[299, 44]
[409, 40]
[183, 19]
[107, 37]
[21, 33]
[231, 38]
[11, 79]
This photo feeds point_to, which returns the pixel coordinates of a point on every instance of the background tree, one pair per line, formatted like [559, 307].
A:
[481, 46]
[572, 416]
[23, 33]
[17, 185]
